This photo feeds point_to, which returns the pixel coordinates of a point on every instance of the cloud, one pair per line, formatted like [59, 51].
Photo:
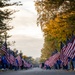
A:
[30, 46]
[28, 37]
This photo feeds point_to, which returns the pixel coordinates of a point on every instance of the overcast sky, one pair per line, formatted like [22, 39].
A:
[28, 36]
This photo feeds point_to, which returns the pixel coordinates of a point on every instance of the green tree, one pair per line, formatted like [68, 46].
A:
[5, 18]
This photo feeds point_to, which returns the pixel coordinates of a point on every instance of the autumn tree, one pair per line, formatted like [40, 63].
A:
[57, 20]
[48, 9]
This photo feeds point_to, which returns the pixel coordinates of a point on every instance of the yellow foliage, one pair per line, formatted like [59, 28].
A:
[24, 56]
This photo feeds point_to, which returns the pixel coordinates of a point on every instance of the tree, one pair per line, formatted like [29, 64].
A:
[5, 18]
[48, 9]
[57, 21]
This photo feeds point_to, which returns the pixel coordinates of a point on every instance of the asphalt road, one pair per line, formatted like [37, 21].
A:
[38, 71]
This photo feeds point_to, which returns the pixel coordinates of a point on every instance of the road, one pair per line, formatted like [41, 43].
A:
[38, 71]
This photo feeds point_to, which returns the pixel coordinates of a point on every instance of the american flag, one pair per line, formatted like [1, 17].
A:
[4, 47]
[68, 51]
[47, 62]
[19, 60]
[72, 50]
[12, 59]
[62, 49]
[26, 64]
[52, 60]
[62, 53]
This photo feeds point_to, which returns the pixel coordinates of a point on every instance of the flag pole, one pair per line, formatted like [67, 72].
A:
[5, 36]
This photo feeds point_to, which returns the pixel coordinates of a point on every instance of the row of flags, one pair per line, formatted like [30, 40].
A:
[67, 51]
[11, 59]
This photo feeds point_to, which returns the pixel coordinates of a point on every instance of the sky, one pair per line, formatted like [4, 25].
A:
[26, 33]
